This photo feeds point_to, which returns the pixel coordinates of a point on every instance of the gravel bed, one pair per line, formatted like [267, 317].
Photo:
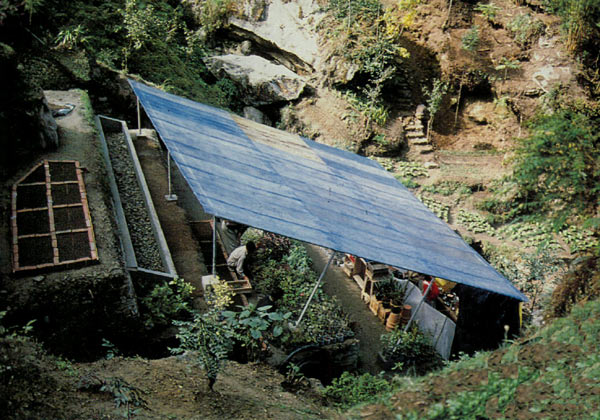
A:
[140, 229]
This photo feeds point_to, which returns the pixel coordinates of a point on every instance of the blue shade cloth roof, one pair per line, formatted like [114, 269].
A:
[280, 182]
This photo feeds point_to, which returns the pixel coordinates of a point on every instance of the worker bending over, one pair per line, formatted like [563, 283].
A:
[237, 259]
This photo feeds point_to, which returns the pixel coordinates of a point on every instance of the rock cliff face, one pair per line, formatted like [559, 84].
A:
[26, 122]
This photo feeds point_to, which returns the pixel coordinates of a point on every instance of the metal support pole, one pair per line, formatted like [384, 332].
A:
[170, 196]
[214, 261]
[315, 288]
[412, 316]
[139, 118]
[441, 331]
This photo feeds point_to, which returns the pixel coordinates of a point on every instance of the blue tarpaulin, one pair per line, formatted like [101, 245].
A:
[283, 183]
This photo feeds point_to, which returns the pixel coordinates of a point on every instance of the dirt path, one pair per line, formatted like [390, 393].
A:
[173, 215]
[368, 328]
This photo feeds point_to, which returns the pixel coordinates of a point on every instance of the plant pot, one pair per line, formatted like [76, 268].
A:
[374, 305]
[396, 309]
[406, 312]
[392, 321]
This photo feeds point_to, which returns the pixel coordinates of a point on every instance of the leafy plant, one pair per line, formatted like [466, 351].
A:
[489, 11]
[470, 40]
[252, 325]
[220, 296]
[556, 170]
[434, 100]
[167, 301]
[111, 350]
[440, 209]
[349, 390]
[475, 223]
[412, 348]
[125, 395]
[209, 338]
[580, 20]
[411, 169]
[400, 16]
[448, 188]
[525, 29]
[69, 38]
[578, 239]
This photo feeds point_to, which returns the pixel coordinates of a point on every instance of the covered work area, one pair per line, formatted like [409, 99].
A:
[282, 183]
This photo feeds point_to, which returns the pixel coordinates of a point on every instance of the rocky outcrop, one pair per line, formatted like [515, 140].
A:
[261, 81]
[25, 119]
[282, 29]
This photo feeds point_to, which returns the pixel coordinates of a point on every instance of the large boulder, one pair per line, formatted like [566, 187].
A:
[283, 29]
[261, 81]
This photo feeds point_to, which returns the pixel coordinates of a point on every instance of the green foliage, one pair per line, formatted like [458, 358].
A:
[407, 182]
[411, 348]
[369, 105]
[125, 395]
[489, 11]
[252, 325]
[507, 64]
[475, 223]
[580, 20]
[434, 98]
[373, 51]
[578, 239]
[111, 350]
[214, 14]
[69, 38]
[473, 404]
[470, 40]
[537, 234]
[354, 9]
[556, 169]
[141, 24]
[349, 390]
[440, 209]
[411, 170]
[556, 372]
[167, 301]
[448, 188]
[525, 29]
[209, 338]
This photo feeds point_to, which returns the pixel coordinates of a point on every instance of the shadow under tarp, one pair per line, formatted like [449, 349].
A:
[481, 319]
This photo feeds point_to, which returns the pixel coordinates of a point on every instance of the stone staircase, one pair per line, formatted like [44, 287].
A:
[419, 146]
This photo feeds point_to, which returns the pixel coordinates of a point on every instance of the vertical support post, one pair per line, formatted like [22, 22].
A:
[170, 196]
[315, 288]
[139, 118]
[169, 170]
[412, 316]
[214, 244]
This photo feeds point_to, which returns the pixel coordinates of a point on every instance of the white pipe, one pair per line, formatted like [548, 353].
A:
[315, 288]
[139, 117]
[214, 256]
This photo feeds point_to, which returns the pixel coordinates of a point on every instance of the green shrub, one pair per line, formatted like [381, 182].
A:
[580, 20]
[489, 11]
[470, 40]
[411, 348]
[556, 170]
[349, 390]
[167, 301]
[525, 29]
[209, 338]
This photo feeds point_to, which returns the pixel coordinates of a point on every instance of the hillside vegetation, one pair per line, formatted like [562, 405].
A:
[509, 91]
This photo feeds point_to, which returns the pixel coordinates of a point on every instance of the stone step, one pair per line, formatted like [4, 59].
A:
[425, 149]
[414, 127]
[414, 134]
[419, 141]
